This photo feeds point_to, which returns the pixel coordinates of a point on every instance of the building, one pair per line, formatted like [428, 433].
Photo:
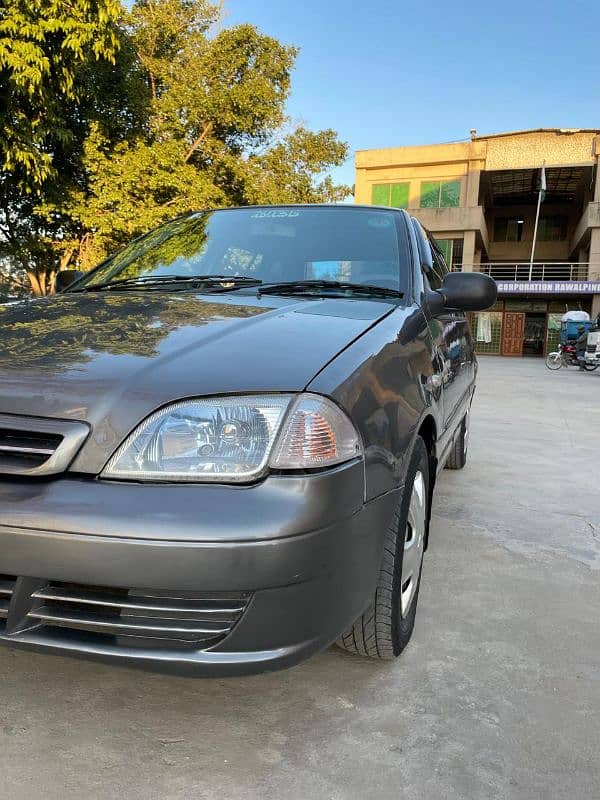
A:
[479, 198]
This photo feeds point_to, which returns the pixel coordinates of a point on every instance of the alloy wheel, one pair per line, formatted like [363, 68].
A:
[413, 543]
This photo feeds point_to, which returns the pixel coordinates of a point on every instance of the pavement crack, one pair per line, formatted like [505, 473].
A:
[593, 528]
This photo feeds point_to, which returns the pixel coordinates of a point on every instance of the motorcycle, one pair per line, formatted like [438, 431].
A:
[566, 356]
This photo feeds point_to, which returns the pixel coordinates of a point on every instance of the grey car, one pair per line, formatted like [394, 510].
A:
[218, 449]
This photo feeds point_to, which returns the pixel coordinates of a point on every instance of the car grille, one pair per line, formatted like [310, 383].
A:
[130, 617]
[136, 616]
[26, 451]
[32, 446]
[7, 586]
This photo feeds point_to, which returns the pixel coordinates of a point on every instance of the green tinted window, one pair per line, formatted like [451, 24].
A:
[440, 194]
[430, 194]
[445, 246]
[450, 194]
[380, 194]
[390, 194]
[399, 195]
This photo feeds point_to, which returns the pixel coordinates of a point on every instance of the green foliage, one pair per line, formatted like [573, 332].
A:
[42, 45]
[150, 113]
[286, 172]
[61, 335]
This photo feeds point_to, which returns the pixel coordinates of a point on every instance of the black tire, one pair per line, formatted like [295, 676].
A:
[458, 454]
[590, 367]
[554, 361]
[381, 632]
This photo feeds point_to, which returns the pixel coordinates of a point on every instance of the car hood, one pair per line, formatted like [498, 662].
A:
[110, 359]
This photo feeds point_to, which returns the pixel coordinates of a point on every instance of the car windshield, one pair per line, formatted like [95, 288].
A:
[268, 245]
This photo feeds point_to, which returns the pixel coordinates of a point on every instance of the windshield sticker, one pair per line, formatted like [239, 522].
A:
[380, 221]
[275, 213]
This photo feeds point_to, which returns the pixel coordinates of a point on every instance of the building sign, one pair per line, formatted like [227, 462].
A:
[548, 287]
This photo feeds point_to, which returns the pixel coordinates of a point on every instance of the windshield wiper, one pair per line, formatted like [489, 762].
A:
[223, 282]
[301, 287]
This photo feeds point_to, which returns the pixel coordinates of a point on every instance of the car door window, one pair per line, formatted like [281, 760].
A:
[434, 278]
[439, 268]
[430, 277]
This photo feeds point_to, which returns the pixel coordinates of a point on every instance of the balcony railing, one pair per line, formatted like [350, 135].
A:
[523, 271]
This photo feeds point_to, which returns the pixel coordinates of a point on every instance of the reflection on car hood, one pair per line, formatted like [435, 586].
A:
[111, 359]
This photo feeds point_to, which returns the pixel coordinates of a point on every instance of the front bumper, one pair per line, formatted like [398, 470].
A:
[307, 549]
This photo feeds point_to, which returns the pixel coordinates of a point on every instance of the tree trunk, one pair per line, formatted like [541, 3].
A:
[42, 281]
[38, 282]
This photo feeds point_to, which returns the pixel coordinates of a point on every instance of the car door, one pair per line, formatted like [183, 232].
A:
[432, 280]
[458, 349]
[447, 332]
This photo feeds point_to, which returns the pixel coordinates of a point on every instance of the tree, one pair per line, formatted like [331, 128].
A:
[62, 65]
[178, 116]
[289, 171]
[42, 46]
[214, 139]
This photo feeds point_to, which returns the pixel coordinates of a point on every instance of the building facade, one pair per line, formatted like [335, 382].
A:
[480, 197]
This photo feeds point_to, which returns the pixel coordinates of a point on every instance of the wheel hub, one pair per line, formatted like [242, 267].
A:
[414, 542]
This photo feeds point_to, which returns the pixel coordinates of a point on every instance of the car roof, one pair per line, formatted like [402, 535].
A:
[349, 206]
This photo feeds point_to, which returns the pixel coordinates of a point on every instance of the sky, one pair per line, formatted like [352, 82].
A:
[387, 74]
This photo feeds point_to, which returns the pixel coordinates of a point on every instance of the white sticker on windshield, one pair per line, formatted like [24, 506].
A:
[275, 213]
[380, 221]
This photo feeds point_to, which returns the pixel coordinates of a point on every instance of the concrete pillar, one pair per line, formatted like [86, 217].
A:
[473, 179]
[468, 251]
[595, 254]
[595, 306]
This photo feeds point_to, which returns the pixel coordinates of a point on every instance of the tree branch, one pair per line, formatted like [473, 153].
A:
[66, 257]
[196, 144]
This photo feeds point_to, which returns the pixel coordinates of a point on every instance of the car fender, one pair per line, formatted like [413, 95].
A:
[380, 380]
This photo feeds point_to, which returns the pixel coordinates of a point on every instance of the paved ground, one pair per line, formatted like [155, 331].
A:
[498, 696]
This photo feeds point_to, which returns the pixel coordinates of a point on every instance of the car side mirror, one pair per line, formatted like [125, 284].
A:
[66, 278]
[463, 291]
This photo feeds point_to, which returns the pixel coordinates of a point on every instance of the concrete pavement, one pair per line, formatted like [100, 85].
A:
[498, 695]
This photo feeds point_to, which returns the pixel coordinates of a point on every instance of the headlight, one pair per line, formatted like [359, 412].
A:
[236, 439]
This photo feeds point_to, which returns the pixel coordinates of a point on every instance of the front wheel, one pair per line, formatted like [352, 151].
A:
[554, 360]
[385, 628]
[590, 367]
